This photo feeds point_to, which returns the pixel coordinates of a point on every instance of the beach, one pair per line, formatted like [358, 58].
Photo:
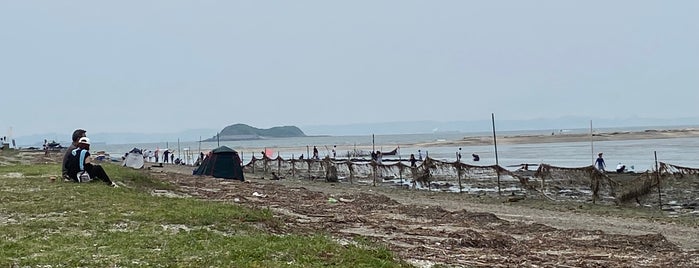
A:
[564, 137]
[427, 228]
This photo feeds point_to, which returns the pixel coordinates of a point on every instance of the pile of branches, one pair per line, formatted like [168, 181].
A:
[677, 171]
[572, 176]
[639, 187]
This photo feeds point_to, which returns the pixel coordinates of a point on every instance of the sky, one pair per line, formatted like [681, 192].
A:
[169, 65]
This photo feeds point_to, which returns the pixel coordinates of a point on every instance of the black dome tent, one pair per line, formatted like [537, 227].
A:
[222, 162]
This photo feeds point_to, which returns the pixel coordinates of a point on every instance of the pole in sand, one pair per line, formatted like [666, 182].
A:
[592, 146]
[657, 174]
[495, 142]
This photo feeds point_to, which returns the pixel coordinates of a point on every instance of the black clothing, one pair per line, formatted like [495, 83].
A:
[76, 163]
[66, 156]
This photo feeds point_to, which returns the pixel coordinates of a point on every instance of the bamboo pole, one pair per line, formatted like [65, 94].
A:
[495, 142]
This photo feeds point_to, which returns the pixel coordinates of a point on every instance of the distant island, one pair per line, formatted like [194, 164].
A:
[239, 132]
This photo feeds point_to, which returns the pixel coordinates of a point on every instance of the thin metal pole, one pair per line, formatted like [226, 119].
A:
[657, 174]
[592, 146]
[495, 142]
[373, 147]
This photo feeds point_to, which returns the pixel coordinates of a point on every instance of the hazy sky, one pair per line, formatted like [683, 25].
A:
[160, 66]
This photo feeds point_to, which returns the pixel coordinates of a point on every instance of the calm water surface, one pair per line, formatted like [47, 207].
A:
[636, 153]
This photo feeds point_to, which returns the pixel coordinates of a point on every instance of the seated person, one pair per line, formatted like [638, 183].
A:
[524, 167]
[77, 134]
[620, 168]
[78, 163]
[476, 157]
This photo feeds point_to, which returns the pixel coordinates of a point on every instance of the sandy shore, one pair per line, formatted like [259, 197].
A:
[608, 136]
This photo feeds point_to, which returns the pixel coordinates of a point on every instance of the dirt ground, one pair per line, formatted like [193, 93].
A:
[435, 228]
[430, 228]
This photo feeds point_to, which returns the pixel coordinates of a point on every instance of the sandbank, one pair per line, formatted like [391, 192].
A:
[557, 138]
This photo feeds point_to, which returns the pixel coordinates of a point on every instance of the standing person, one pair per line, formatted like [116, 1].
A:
[46, 148]
[600, 163]
[172, 157]
[77, 134]
[157, 150]
[458, 155]
[80, 168]
[334, 151]
[315, 153]
[419, 155]
[413, 161]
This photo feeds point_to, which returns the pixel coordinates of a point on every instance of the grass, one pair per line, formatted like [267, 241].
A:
[44, 224]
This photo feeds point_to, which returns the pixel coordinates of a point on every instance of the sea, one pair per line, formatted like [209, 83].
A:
[637, 155]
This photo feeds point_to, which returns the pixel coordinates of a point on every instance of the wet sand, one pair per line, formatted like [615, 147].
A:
[609, 136]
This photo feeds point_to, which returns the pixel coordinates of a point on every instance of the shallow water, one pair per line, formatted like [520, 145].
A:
[637, 155]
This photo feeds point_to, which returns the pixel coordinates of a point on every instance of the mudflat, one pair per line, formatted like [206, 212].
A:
[608, 136]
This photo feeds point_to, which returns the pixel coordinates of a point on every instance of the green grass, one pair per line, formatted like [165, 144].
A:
[44, 224]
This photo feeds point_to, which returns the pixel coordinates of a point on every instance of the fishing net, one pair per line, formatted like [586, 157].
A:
[583, 183]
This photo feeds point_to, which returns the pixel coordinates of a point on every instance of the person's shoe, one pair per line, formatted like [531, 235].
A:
[114, 185]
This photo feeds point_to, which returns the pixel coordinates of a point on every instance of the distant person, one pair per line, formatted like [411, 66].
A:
[476, 158]
[334, 151]
[80, 168]
[301, 157]
[458, 155]
[172, 157]
[315, 153]
[77, 134]
[600, 163]
[413, 161]
[166, 156]
[620, 168]
[419, 155]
